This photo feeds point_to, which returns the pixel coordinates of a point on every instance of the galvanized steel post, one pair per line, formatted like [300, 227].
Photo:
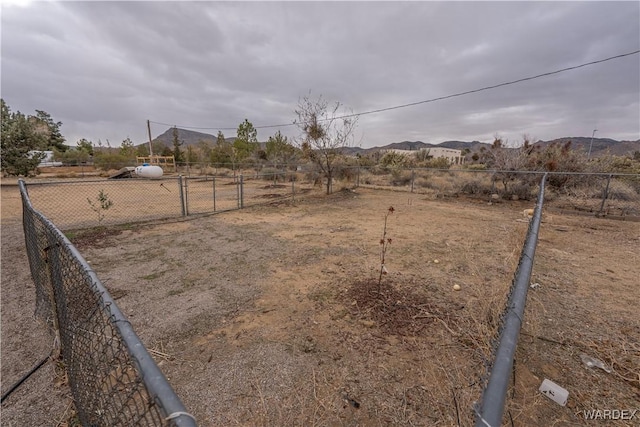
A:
[241, 191]
[494, 395]
[182, 204]
[214, 193]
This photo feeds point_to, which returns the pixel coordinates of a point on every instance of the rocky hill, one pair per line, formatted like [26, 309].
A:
[600, 146]
[188, 137]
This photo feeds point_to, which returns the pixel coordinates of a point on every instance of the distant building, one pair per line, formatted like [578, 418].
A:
[47, 160]
[455, 157]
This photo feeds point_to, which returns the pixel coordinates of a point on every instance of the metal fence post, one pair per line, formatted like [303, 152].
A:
[358, 178]
[241, 191]
[214, 193]
[605, 195]
[293, 190]
[184, 213]
[186, 196]
[237, 192]
[413, 177]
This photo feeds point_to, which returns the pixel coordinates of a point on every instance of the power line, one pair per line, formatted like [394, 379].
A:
[411, 104]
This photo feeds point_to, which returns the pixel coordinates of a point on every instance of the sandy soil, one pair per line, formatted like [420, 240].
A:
[272, 315]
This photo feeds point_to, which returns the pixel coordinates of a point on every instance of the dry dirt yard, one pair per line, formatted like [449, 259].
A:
[273, 315]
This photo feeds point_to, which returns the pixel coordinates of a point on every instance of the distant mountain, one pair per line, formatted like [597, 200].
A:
[188, 137]
[419, 145]
[406, 145]
[600, 146]
[461, 145]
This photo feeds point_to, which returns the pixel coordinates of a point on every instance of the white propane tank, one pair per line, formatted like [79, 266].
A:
[149, 171]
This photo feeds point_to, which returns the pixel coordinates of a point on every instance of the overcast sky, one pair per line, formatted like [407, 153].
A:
[104, 68]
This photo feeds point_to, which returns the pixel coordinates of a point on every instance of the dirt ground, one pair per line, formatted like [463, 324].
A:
[273, 315]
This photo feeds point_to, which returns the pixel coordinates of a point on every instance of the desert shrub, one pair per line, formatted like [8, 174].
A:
[558, 157]
[223, 172]
[620, 190]
[437, 163]
[109, 160]
[474, 186]
[633, 182]
[438, 182]
[391, 159]
[422, 182]
[367, 160]
[346, 169]
[615, 164]
[272, 174]
[550, 194]
[366, 176]
[400, 177]
[312, 176]
[476, 166]
[619, 164]
[523, 190]
[379, 170]
[208, 170]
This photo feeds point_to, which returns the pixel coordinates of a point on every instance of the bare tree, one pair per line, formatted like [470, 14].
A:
[325, 132]
[506, 160]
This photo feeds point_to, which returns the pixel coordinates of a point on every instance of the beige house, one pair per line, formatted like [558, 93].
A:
[454, 156]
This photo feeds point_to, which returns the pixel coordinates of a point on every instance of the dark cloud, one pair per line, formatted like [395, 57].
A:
[104, 68]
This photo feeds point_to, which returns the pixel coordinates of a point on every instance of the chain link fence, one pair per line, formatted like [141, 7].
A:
[206, 194]
[90, 203]
[495, 381]
[597, 194]
[113, 379]
[86, 203]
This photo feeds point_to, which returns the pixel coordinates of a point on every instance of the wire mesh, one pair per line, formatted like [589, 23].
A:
[596, 194]
[211, 194]
[78, 204]
[113, 379]
[266, 187]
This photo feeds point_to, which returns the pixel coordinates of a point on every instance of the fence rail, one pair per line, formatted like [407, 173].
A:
[494, 395]
[113, 378]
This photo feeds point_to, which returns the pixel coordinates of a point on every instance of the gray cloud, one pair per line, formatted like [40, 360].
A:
[104, 68]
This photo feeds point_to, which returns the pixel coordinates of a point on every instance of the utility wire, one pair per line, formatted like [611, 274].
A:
[380, 110]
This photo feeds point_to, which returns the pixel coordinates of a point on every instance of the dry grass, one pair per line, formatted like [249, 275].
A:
[288, 345]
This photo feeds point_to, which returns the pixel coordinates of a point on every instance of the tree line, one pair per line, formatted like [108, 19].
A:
[323, 135]
[325, 130]
[22, 134]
